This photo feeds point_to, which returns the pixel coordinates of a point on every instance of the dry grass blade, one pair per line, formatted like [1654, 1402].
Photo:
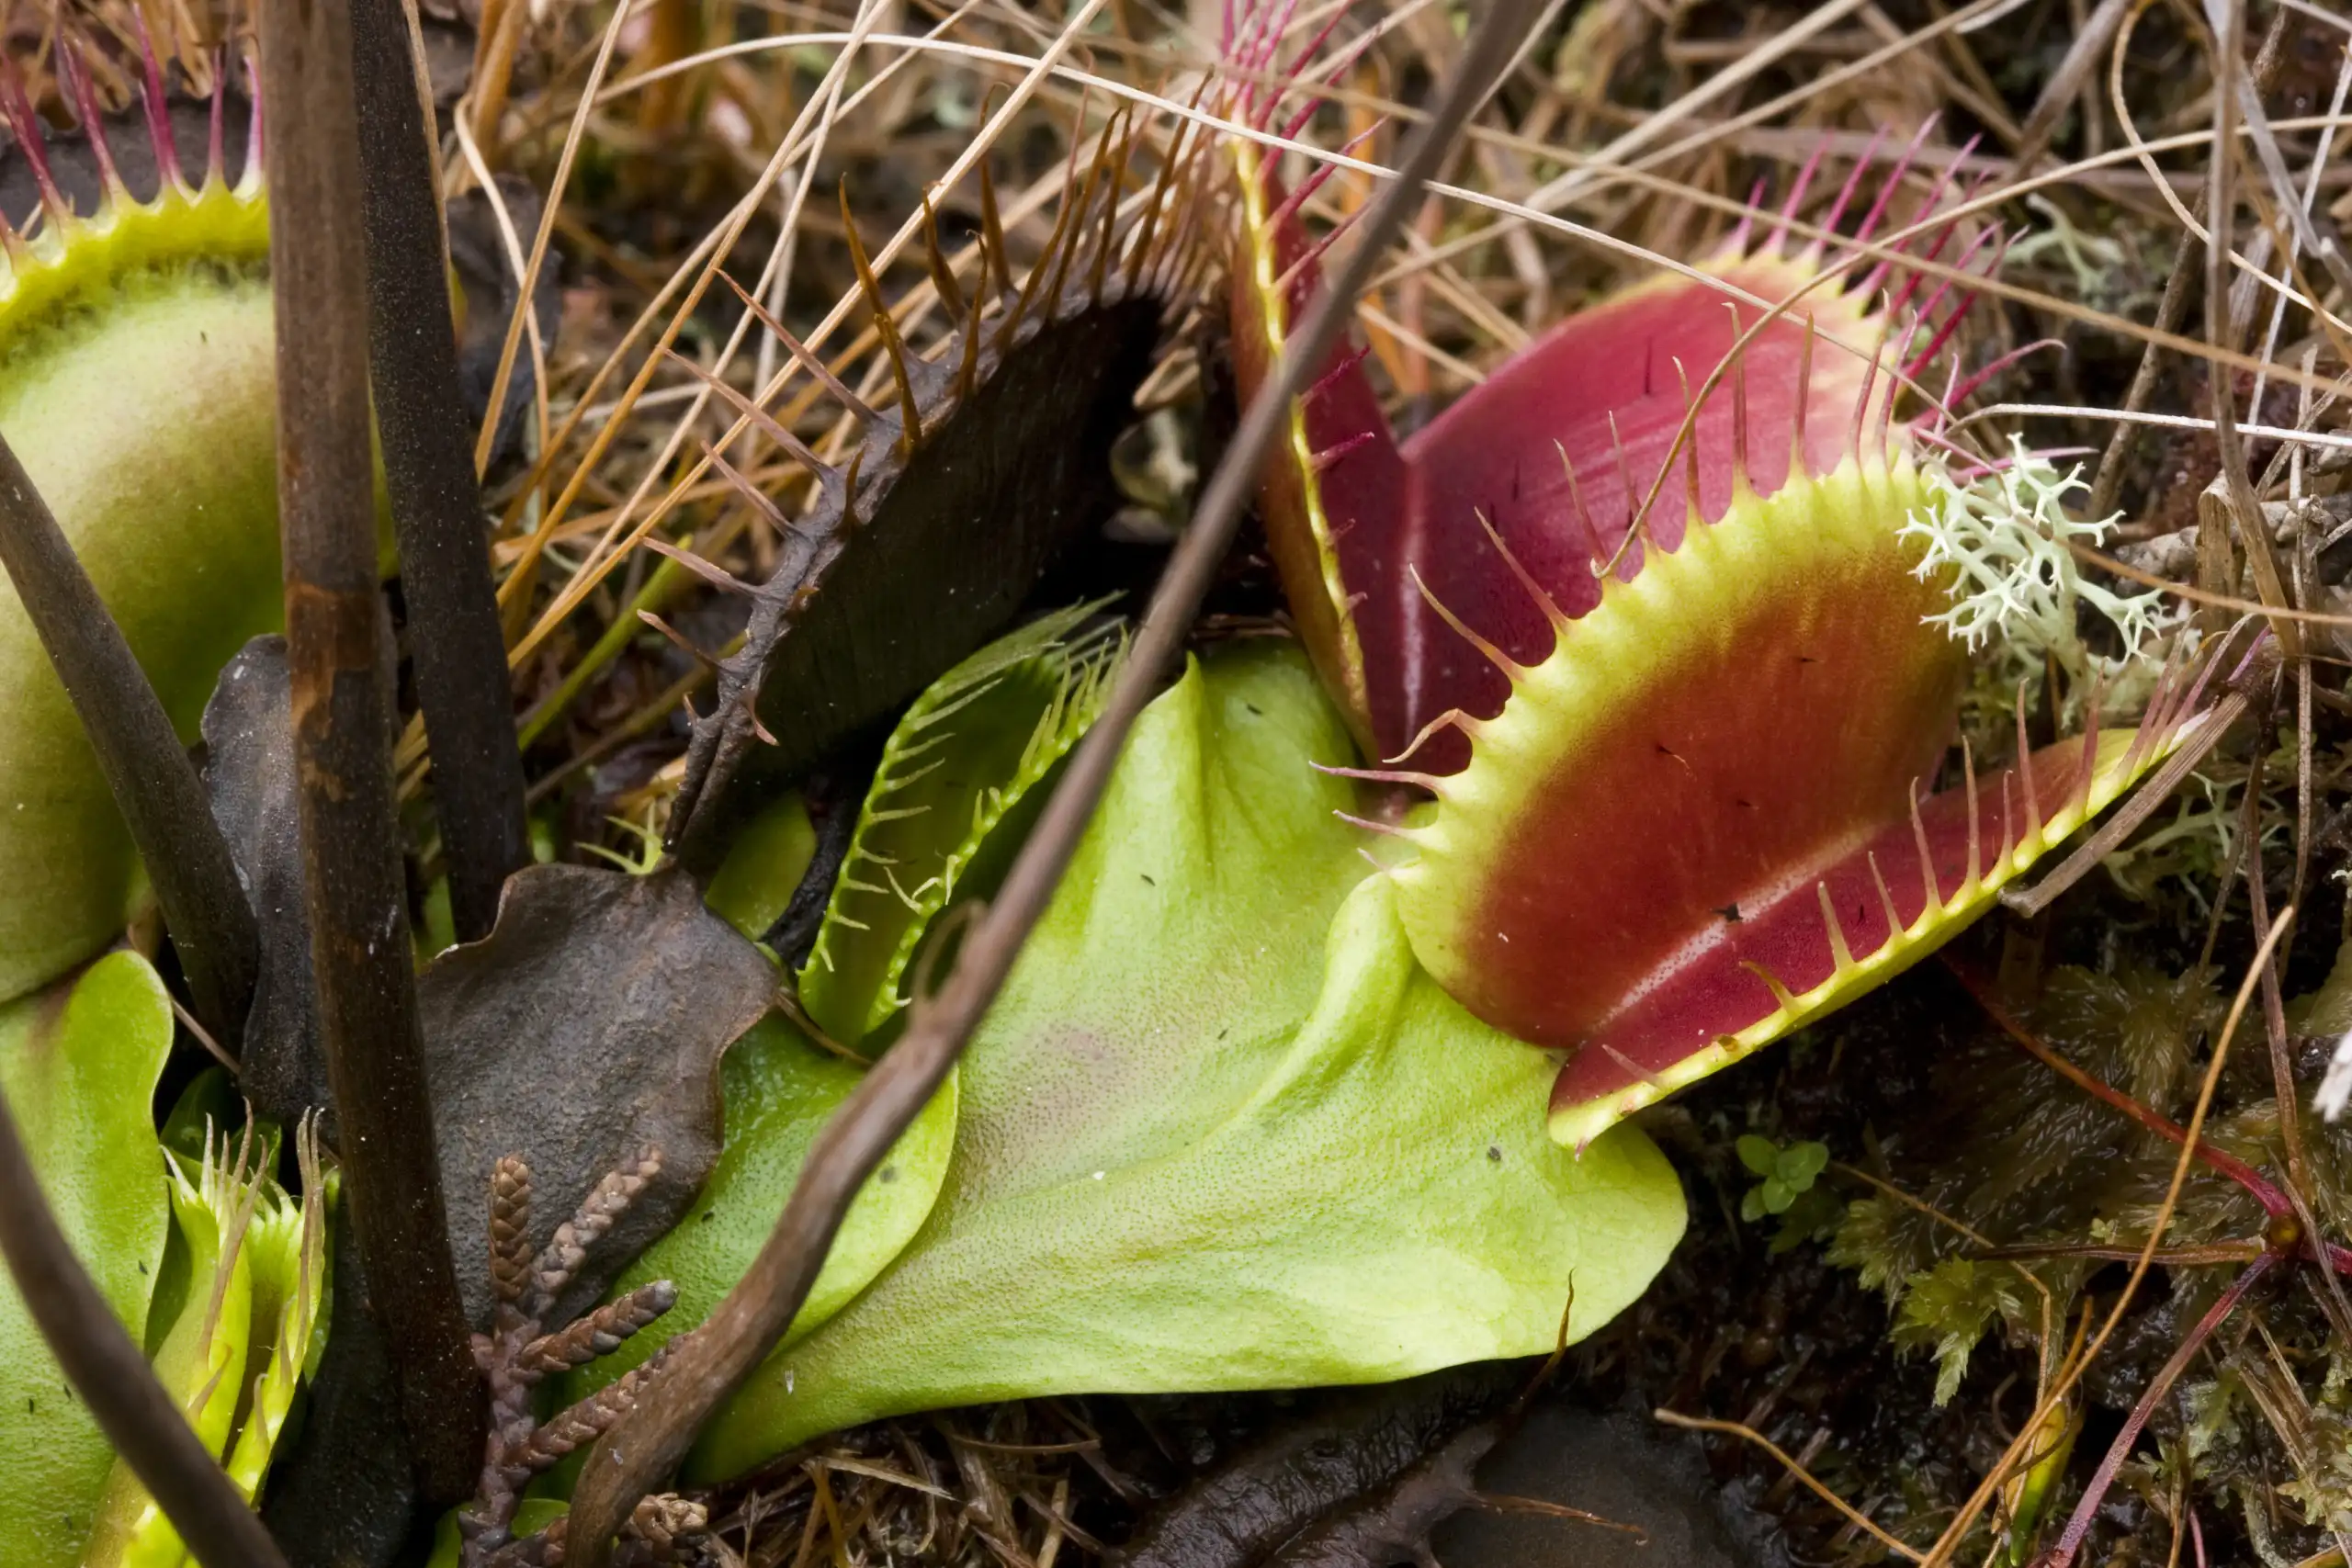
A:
[712, 1360]
[1804, 1477]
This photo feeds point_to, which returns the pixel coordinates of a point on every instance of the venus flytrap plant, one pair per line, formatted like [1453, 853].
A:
[1672, 673]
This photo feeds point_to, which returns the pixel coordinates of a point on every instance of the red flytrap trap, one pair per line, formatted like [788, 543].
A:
[1636, 627]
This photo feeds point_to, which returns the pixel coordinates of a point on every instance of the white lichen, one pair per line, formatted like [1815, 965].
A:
[2017, 589]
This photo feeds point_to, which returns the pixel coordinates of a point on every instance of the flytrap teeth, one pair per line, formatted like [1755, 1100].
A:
[251, 180]
[73, 69]
[156, 103]
[893, 346]
[25, 127]
[976, 432]
[767, 424]
[717, 576]
[811, 363]
[680, 641]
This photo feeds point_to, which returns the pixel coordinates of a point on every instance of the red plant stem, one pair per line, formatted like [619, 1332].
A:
[2062, 1554]
[2274, 1203]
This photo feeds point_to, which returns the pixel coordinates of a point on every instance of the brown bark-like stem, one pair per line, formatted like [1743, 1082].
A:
[458, 649]
[337, 649]
[154, 785]
[707, 1364]
[114, 1380]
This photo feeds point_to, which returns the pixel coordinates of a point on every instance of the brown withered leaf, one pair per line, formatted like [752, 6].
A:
[586, 1026]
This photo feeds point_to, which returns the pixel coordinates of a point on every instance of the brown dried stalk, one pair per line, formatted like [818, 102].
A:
[713, 1360]
[354, 889]
[460, 652]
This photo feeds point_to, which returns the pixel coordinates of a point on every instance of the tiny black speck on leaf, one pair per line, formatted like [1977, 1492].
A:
[1255, 710]
[1495, 1153]
[708, 1215]
[889, 1173]
[1147, 879]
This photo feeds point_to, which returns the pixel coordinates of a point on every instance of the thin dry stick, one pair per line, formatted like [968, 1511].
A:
[336, 647]
[2058, 93]
[2173, 308]
[437, 504]
[111, 1375]
[1805, 1476]
[2222, 329]
[147, 769]
[712, 1361]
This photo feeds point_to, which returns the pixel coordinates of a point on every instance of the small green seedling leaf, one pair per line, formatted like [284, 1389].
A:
[1787, 1189]
[79, 1064]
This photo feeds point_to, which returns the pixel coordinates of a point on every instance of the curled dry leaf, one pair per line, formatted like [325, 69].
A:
[587, 1025]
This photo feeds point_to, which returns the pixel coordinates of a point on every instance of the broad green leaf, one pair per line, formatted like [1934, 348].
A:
[962, 769]
[779, 1091]
[1220, 1131]
[79, 1064]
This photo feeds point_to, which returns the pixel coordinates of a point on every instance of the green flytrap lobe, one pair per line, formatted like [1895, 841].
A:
[160, 305]
[1641, 615]
[964, 771]
[248, 1272]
